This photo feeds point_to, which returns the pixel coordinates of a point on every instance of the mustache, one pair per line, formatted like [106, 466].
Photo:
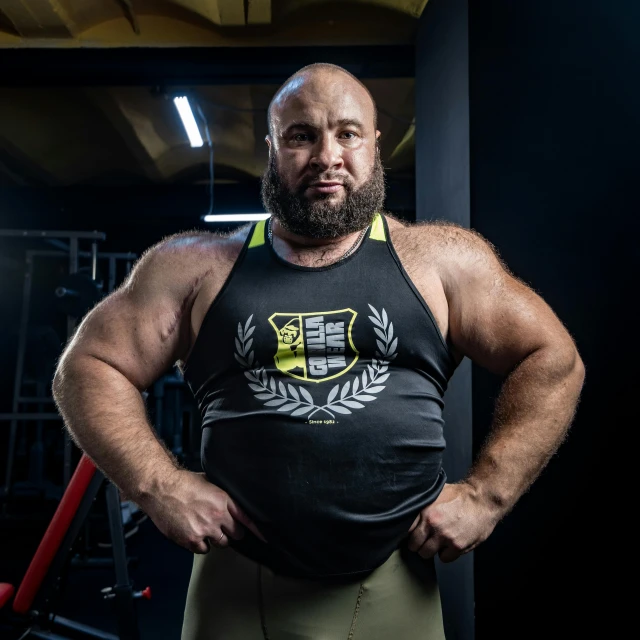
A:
[326, 177]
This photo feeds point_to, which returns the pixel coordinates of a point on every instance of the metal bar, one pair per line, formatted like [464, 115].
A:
[45, 635]
[123, 590]
[82, 254]
[118, 256]
[49, 253]
[70, 235]
[54, 242]
[112, 275]
[87, 563]
[19, 371]
[36, 452]
[85, 631]
[114, 512]
[17, 415]
[94, 260]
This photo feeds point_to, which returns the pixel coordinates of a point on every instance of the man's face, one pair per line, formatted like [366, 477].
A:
[325, 178]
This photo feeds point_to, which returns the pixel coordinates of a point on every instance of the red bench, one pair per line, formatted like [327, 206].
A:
[30, 604]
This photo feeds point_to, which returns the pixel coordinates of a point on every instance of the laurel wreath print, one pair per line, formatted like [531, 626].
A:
[342, 398]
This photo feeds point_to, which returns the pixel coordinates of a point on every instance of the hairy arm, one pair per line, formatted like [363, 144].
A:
[122, 346]
[503, 326]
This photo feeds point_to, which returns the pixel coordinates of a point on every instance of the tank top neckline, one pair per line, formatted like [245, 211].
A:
[333, 265]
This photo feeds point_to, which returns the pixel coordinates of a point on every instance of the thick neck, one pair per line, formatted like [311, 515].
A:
[313, 252]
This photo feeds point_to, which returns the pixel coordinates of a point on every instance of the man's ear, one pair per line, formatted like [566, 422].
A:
[377, 135]
[269, 142]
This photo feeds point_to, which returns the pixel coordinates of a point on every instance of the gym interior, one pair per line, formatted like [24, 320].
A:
[519, 120]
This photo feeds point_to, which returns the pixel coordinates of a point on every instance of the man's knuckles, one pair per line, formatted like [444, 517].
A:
[429, 548]
[418, 537]
[414, 542]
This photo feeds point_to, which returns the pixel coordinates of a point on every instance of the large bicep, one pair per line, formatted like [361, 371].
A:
[494, 319]
[142, 329]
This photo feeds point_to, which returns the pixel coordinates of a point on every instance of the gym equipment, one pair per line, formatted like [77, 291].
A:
[16, 414]
[176, 417]
[33, 609]
[42, 352]
[75, 295]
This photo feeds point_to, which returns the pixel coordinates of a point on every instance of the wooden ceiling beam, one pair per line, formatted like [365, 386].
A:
[134, 134]
[39, 18]
[232, 13]
[259, 12]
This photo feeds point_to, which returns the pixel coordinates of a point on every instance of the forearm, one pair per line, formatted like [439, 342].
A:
[105, 415]
[533, 413]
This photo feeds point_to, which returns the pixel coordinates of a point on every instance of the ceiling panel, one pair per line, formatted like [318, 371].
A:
[133, 135]
[111, 23]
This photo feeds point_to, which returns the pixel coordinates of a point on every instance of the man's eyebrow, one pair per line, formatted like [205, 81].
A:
[299, 124]
[346, 122]
[303, 124]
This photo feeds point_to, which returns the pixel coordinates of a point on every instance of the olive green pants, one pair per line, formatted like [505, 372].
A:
[233, 598]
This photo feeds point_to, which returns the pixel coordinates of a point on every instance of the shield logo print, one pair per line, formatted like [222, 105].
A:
[315, 346]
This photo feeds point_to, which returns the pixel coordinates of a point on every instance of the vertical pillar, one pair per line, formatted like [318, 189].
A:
[443, 192]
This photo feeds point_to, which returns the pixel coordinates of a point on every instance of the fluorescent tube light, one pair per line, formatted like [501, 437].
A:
[189, 122]
[236, 217]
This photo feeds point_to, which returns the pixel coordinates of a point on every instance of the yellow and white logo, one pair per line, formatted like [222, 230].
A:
[315, 346]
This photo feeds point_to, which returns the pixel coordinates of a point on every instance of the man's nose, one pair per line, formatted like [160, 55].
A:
[327, 154]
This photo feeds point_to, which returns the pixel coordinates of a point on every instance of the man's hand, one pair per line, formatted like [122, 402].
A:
[193, 513]
[454, 524]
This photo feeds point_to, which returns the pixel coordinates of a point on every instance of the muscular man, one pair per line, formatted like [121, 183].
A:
[323, 500]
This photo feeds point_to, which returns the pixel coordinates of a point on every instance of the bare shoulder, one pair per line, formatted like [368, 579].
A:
[448, 237]
[190, 251]
[443, 246]
[187, 259]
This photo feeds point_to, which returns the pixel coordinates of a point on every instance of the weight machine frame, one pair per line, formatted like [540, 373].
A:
[74, 253]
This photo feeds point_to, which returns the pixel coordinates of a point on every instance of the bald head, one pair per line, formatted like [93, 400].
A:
[321, 76]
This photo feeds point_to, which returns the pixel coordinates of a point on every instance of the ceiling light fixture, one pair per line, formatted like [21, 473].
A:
[189, 122]
[236, 217]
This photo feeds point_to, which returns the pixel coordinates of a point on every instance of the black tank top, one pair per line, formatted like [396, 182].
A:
[321, 398]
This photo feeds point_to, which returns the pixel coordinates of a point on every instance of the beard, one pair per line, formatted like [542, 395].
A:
[320, 217]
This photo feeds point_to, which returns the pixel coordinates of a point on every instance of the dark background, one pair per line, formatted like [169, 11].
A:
[554, 102]
[554, 106]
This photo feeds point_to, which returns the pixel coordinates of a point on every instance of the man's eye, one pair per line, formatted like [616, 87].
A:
[350, 135]
[301, 137]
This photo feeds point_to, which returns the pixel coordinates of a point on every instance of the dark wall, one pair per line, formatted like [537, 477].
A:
[443, 193]
[554, 104]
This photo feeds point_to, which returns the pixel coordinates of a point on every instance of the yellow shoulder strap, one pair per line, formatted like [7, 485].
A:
[257, 238]
[377, 229]
[377, 232]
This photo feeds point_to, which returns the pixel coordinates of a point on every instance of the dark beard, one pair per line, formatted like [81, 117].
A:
[319, 217]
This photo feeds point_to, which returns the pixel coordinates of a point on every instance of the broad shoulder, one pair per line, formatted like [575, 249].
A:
[442, 246]
[187, 258]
